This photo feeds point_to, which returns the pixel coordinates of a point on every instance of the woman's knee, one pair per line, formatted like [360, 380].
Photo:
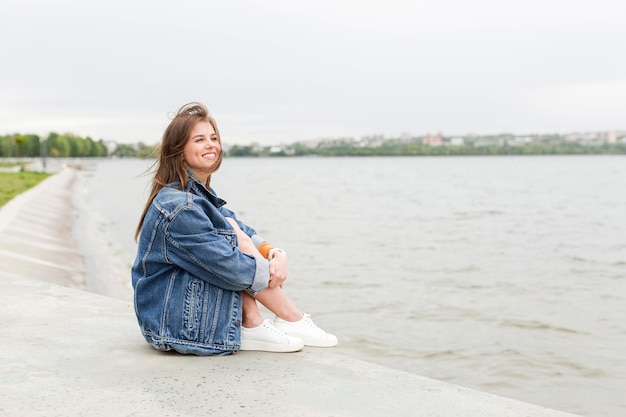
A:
[244, 241]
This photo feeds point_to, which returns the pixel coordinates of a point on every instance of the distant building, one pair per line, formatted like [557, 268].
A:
[373, 141]
[611, 137]
[111, 146]
[406, 137]
[311, 144]
[435, 140]
[457, 141]
[521, 140]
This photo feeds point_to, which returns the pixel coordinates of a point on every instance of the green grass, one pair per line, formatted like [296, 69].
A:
[12, 184]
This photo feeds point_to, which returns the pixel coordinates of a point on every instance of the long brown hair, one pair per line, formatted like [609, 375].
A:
[170, 166]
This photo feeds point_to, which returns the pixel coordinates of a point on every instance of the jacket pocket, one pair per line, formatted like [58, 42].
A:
[193, 308]
[205, 316]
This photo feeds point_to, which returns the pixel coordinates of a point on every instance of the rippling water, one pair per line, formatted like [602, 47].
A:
[504, 274]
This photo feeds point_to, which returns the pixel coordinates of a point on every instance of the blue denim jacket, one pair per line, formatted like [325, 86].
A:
[188, 273]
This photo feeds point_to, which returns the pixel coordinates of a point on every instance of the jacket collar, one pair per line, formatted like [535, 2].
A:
[195, 186]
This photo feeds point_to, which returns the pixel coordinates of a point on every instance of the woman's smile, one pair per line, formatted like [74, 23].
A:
[202, 150]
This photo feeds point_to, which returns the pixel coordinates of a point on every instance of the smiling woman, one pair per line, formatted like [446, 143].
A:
[203, 152]
[199, 270]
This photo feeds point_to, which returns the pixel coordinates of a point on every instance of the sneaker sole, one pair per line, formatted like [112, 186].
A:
[270, 347]
[317, 343]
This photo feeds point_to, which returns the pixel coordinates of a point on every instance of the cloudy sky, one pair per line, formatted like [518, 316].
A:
[279, 71]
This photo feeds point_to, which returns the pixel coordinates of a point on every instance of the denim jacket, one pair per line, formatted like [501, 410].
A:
[188, 272]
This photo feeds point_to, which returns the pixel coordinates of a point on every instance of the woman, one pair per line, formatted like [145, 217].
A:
[199, 271]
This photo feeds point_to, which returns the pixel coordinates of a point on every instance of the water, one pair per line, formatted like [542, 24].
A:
[503, 274]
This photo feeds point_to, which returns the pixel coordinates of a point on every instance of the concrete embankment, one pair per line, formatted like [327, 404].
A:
[67, 352]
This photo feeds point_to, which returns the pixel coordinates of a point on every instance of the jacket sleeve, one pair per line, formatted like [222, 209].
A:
[256, 239]
[192, 242]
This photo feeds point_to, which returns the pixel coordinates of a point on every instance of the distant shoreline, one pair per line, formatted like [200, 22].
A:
[398, 148]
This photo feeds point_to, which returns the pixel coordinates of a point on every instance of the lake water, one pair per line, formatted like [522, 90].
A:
[503, 274]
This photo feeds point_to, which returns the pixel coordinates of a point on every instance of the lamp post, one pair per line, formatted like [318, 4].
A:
[44, 152]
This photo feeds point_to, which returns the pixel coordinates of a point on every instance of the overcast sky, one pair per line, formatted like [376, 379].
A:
[279, 71]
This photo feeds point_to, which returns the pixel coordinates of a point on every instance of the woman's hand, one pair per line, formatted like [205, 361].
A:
[278, 269]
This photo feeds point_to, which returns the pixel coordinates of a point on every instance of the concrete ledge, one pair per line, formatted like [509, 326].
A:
[68, 352]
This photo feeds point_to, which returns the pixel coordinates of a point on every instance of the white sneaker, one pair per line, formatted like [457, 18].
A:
[306, 330]
[268, 338]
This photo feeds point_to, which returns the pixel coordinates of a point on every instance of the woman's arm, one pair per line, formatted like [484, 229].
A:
[263, 246]
[193, 243]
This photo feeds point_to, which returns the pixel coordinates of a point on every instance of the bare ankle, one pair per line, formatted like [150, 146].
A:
[250, 322]
[291, 316]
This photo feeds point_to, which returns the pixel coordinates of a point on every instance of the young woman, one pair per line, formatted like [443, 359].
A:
[200, 271]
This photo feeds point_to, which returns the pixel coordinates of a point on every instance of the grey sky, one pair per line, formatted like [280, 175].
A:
[277, 71]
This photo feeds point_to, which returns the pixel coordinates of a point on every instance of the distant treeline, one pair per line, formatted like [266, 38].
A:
[415, 149]
[70, 145]
[55, 145]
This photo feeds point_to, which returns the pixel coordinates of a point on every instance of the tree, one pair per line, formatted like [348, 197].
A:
[101, 149]
[21, 141]
[58, 146]
[237, 150]
[125, 151]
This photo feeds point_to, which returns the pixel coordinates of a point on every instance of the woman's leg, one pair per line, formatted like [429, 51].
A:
[276, 301]
[251, 315]
[289, 320]
[273, 298]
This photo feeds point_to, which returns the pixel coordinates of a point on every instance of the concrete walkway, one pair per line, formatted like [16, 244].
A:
[67, 352]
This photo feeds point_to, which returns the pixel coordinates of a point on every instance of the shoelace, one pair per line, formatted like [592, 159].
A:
[309, 322]
[271, 327]
[306, 319]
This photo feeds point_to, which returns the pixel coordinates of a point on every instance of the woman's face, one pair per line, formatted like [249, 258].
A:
[202, 150]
